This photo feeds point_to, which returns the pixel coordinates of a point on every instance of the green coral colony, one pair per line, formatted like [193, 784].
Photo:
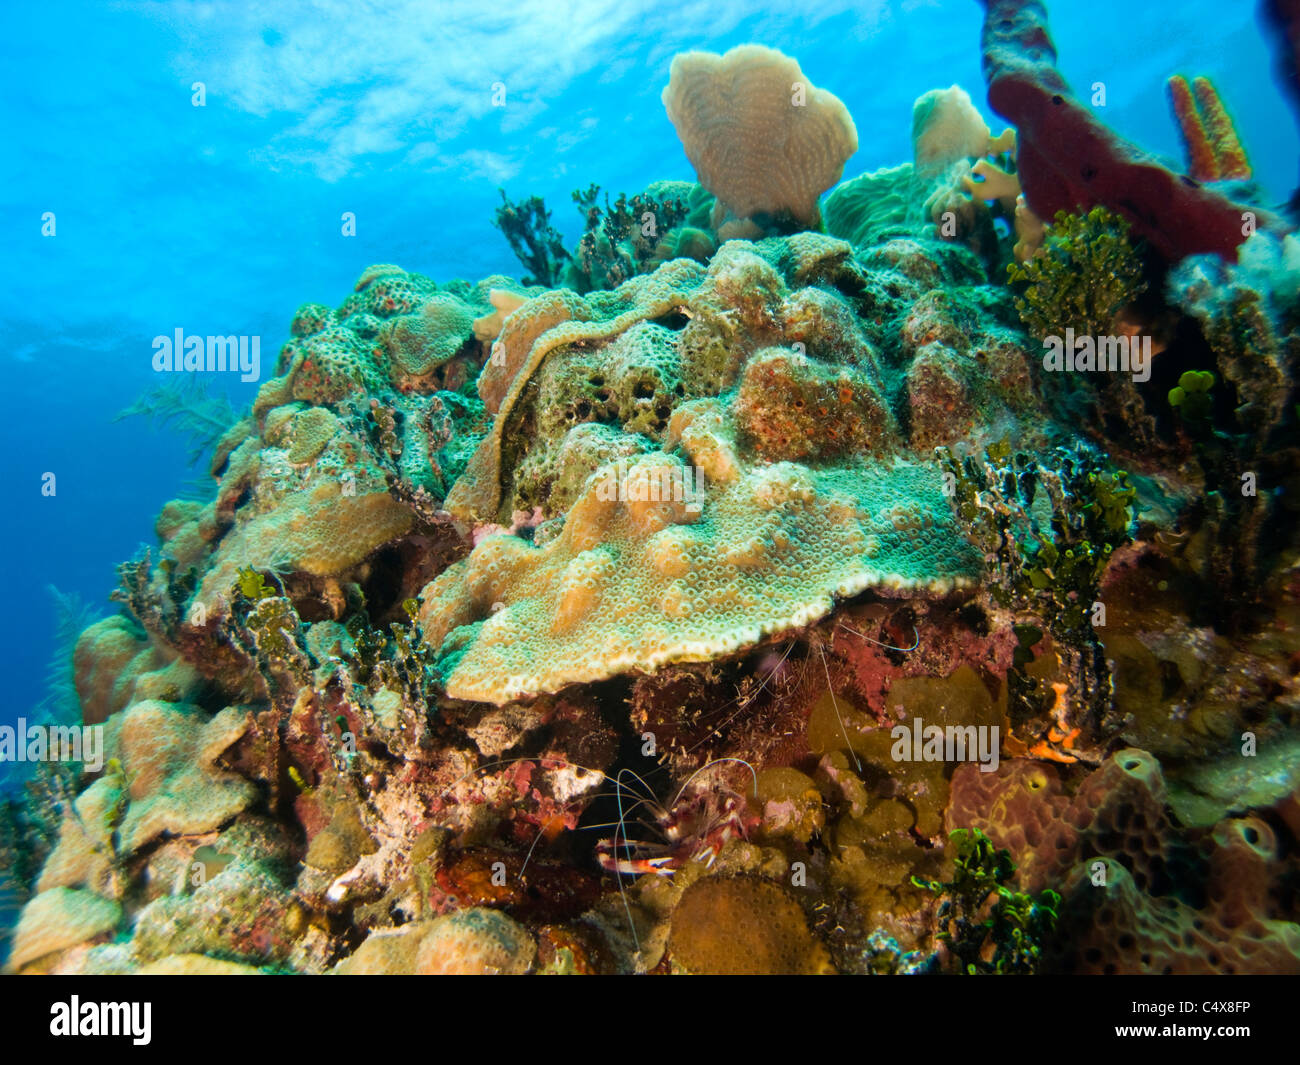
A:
[677, 531]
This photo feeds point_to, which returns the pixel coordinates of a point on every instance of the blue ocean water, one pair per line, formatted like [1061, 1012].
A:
[224, 218]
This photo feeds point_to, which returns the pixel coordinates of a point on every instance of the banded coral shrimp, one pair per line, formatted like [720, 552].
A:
[694, 826]
[691, 823]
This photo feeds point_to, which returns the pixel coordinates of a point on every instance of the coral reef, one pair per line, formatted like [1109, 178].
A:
[623, 239]
[1086, 274]
[1138, 894]
[728, 595]
[1245, 322]
[936, 194]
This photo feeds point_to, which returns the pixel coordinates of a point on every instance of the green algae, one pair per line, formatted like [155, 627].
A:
[1191, 396]
[1017, 925]
[1086, 272]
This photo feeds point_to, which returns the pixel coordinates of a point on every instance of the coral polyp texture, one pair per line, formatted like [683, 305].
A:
[634, 583]
[743, 589]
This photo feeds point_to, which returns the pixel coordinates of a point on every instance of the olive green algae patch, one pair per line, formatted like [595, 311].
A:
[634, 583]
[1204, 792]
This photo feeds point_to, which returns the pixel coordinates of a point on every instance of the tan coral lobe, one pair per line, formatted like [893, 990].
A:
[762, 138]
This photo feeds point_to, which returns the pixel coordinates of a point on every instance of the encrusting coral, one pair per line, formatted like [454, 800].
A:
[949, 189]
[743, 926]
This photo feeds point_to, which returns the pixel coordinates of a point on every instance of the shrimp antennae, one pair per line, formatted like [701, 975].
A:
[620, 825]
[836, 707]
[651, 801]
[863, 636]
[771, 673]
[627, 908]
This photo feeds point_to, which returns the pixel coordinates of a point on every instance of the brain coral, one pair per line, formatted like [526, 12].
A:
[761, 137]
[743, 926]
[536, 330]
[874, 206]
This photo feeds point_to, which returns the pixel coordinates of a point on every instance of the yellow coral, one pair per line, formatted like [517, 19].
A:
[167, 753]
[196, 965]
[472, 942]
[1031, 231]
[312, 430]
[743, 926]
[319, 531]
[997, 184]
[420, 342]
[635, 584]
[533, 332]
[504, 303]
[510, 350]
[58, 919]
